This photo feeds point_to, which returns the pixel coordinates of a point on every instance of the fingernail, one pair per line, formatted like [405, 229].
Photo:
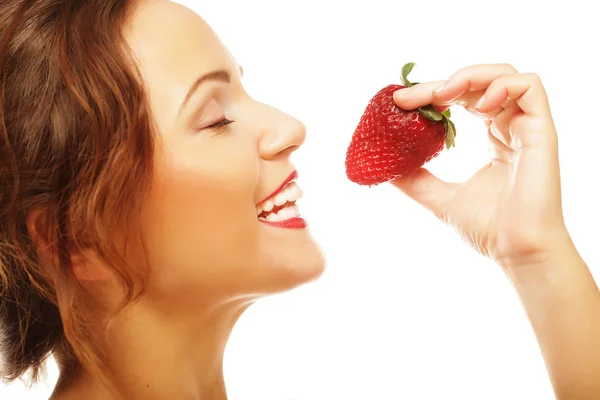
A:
[480, 102]
[440, 87]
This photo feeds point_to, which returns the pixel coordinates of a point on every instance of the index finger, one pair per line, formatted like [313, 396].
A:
[417, 96]
[474, 79]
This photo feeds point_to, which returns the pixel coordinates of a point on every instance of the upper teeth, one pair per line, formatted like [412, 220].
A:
[291, 192]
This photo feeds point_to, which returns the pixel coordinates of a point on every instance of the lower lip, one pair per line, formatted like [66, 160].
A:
[292, 223]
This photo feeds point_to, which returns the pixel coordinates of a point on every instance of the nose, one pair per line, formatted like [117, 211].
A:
[281, 134]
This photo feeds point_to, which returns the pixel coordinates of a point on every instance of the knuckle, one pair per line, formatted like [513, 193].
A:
[533, 78]
[463, 74]
[509, 67]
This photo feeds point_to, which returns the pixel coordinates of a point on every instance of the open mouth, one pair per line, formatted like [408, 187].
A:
[282, 206]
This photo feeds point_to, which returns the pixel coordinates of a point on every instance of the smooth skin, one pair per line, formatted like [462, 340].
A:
[511, 211]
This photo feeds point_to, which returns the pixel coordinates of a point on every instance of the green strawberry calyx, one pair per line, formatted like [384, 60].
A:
[429, 111]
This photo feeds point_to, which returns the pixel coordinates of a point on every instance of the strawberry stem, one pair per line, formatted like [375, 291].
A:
[429, 111]
[406, 69]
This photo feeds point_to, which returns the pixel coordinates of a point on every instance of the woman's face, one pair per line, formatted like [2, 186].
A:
[201, 225]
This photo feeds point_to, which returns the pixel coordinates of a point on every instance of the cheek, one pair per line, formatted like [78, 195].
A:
[200, 218]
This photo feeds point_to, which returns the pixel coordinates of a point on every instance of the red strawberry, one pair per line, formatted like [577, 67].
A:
[390, 142]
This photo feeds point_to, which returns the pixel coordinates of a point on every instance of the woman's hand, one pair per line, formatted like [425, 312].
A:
[510, 210]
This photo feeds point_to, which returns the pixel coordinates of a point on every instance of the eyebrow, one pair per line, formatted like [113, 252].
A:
[220, 75]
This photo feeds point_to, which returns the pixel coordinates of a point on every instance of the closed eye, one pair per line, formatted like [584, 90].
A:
[220, 124]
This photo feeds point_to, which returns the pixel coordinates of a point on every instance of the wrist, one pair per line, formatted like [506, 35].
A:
[556, 257]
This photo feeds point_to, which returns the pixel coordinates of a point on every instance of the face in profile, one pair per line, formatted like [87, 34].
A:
[205, 181]
[221, 219]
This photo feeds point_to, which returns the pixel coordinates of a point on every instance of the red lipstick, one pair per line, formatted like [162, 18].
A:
[294, 220]
[289, 179]
[292, 223]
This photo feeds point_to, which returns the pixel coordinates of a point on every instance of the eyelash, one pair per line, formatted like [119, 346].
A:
[220, 124]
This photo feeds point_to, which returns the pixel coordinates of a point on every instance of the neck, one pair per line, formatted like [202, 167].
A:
[157, 355]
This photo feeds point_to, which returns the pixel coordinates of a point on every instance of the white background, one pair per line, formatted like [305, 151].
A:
[405, 309]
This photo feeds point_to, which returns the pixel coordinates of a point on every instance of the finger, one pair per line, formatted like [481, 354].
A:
[427, 190]
[416, 96]
[498, 150]
[470, 79]
[500, 126]
[422, 95]
[469, 100]
[526, 90]
[464, 87]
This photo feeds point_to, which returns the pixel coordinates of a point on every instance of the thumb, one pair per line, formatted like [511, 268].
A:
[427, 190]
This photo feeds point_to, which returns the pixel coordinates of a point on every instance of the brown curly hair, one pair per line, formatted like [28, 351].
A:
[76, 156]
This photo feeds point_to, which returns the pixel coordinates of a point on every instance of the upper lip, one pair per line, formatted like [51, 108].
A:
[287, 181]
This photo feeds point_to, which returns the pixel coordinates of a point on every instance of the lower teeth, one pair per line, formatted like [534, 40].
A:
[282, 215]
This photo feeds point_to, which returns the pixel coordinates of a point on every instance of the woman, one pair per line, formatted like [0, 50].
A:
[132, 161]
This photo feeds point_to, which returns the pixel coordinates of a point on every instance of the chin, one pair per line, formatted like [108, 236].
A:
[307, 271]
[287, 258]
[288, 268]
